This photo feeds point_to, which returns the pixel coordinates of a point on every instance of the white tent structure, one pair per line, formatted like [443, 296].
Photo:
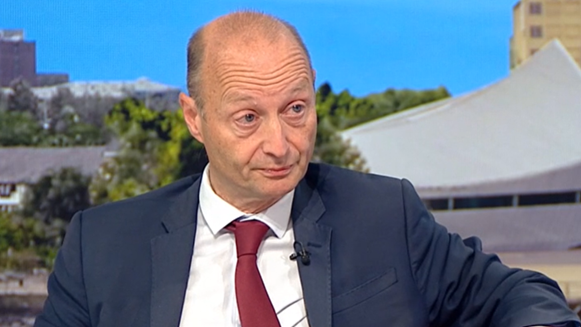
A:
[502, 162]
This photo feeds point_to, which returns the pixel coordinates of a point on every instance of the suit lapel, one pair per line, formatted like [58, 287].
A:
[316, 276]
[171, 255]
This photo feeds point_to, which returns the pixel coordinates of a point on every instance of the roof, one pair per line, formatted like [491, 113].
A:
[539, 228]
[29, 164]
[572, 257]
[524, 125]
[116, 89]
[113, 89]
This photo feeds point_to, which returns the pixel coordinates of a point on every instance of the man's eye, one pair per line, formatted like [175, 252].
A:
[297, 108]
[249, 118]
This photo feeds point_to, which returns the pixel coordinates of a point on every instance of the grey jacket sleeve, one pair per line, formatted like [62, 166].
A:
[464, 287]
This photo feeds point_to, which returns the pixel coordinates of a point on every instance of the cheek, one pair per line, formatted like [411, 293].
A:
[308, 135]
[238, 152]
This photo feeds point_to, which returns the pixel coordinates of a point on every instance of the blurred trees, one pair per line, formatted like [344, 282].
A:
[19, 128]
[3, 101]
[65, 120]
[392, 100]
[27, 243]
[57, 195]
[31, 237]
[345, 111]
[88, 108]
[22, 99]
[332, 149]
[337, 112]
[153, 148]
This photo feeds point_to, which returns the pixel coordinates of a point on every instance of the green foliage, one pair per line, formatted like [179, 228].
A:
[3, 101]
[58, 124]
[19, 128]
[27, 243]
[22, 99]
[11, 235]
[57, 195]
[345, 110]
[70, 131]
[155, 149]
[31, 238]
[340, 111]
[59, 103]
[332, 149]
[391, 100]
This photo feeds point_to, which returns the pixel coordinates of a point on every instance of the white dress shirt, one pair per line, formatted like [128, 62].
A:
[210, 296]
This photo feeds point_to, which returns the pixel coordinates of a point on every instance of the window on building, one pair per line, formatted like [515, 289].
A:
[544, 199]
[483, 202]
[536, 31]
[436, 204]
[536, 8]
[503, 201]
[6, 190]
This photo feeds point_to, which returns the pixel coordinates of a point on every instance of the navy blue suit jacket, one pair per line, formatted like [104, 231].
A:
[378, 258]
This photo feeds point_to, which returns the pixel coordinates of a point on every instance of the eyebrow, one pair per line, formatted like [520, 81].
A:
[238, 97]
[233, 97]
[302, 86]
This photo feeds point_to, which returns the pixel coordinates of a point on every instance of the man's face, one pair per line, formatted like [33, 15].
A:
[259, 121]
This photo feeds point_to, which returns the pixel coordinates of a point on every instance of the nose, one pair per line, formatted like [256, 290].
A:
[275, 139]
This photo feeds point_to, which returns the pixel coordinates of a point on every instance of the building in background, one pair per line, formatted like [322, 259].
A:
[142, 89]
[17, 58]
[22, 166]
[502, 163]
[18, 61]
[536, 22]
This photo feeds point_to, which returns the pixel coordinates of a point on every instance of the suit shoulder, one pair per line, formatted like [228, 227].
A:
[145, 204]
[327, 176]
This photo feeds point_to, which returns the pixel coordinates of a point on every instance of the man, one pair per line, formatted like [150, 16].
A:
[213, 250]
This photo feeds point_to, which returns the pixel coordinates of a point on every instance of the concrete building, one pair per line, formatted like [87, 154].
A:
[18, 61]
[141, 88]
[536, 22]
[502, 162]
[17, 58]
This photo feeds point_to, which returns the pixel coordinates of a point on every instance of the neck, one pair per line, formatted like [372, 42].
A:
[254, 207]
[247, 205]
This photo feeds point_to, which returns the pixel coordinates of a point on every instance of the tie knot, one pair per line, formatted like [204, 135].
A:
[249, 235]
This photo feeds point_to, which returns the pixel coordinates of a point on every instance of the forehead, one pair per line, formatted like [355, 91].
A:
[255, 53]
[258, 63]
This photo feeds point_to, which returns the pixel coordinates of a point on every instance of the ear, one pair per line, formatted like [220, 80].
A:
[192, 116]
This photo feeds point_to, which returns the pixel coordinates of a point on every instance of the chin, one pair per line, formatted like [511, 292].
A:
[281, 187]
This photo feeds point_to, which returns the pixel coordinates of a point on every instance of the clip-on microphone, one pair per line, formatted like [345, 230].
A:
[301, 251]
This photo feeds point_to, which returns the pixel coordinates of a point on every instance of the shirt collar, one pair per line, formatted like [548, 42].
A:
[218, 213]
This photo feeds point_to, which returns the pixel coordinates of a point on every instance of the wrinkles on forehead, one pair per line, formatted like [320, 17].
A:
[261, 65]
[231, 72]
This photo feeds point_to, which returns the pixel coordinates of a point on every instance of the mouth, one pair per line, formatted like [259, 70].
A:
[277, 172]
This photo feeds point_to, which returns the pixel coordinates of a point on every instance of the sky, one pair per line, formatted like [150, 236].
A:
[364, 46]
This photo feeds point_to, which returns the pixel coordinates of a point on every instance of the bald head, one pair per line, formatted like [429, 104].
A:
[228, 33]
